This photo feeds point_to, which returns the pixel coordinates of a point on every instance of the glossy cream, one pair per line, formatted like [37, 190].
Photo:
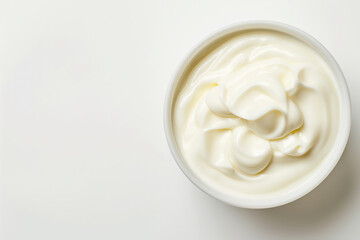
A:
[257, 113]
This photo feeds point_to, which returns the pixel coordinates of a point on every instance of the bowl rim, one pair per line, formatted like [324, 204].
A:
[321, 171]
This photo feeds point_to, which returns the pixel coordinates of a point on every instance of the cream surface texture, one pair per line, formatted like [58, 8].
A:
[256, 113]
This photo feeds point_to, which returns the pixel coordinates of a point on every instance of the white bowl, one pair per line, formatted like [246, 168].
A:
[325, 167]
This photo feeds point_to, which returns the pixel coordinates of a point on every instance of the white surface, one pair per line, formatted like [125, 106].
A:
[83, 153]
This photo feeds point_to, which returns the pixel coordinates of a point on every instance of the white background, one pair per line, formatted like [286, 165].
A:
[83, 154]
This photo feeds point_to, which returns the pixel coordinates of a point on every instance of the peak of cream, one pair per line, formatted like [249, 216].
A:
[257, 112]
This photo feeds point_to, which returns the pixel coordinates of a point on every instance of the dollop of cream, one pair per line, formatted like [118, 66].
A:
[258, 112]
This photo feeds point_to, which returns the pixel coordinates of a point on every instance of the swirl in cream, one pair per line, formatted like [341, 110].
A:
[257, 99]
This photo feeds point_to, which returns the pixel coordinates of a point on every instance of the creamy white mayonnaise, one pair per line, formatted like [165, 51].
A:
[256, 113]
